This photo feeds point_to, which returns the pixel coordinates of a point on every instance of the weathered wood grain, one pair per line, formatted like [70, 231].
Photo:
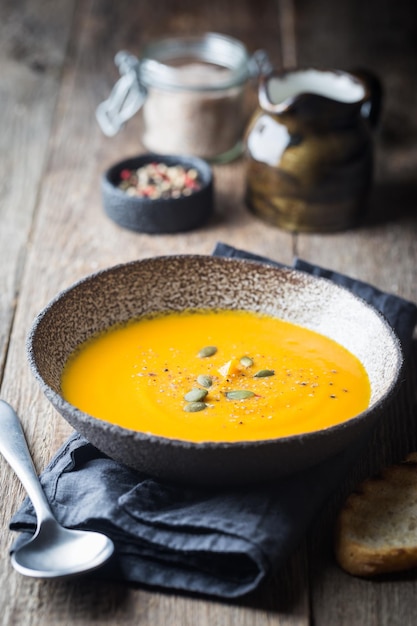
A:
[31, 54]
[53, 231]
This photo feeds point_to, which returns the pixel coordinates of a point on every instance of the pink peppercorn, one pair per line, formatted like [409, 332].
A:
[125, 174]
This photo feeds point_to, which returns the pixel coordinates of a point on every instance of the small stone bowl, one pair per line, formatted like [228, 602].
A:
[175, 283]
[160, 215]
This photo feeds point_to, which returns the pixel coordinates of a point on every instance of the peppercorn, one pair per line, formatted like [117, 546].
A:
[159, 180]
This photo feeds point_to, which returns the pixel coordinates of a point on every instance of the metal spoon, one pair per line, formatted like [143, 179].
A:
[53, 551]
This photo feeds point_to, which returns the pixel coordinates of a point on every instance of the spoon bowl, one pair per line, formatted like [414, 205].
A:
[59, 552]
[53, 551]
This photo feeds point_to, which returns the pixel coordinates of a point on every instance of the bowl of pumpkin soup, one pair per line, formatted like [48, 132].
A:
[208, 370]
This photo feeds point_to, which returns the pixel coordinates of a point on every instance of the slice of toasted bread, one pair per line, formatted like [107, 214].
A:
[376, 531]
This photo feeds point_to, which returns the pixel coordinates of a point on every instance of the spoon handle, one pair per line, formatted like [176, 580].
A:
[14, 448]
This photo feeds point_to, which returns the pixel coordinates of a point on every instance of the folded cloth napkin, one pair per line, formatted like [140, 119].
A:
[217, 542]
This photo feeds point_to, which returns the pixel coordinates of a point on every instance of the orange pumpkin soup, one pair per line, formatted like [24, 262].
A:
[216, 376]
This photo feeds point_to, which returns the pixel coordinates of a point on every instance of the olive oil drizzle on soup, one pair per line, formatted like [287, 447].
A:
[216, 376]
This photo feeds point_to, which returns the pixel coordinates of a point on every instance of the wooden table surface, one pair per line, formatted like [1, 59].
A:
[57, 65]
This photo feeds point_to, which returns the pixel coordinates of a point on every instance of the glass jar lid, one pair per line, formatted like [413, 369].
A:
[161, 62]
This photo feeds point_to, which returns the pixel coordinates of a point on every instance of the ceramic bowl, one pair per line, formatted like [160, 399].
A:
[127, 291]
[161, 215]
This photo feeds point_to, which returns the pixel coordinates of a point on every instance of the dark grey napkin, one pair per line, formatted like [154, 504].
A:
[215, 542]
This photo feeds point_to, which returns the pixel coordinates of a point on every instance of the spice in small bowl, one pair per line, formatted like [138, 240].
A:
[159, 180]
[158, 194]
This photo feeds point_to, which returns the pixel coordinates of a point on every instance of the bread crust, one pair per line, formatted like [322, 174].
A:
[376, 530]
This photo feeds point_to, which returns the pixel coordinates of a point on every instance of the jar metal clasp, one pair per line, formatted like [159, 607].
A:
[126, 97]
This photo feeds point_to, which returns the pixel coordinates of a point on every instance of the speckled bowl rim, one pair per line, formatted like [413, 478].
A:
[59, 403]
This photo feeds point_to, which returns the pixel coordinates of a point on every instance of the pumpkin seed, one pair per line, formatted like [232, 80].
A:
[207, 351]
[193, 407]
[205, 381]
[195, 395]
[246, 361]
[264, 373]
[239, 394]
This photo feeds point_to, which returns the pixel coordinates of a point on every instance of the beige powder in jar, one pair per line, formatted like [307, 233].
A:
[188, 120]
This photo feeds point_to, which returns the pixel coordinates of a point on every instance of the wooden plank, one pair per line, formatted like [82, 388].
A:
[31, 56]
[71, 238]
[391, 600]
[32, 52]
[381, 37]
